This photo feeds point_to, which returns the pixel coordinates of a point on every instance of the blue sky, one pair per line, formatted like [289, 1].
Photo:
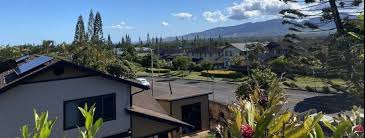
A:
[31, 21]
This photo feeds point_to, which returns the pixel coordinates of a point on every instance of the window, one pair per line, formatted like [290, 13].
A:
[210, 54]
[230, 53]
[105, 108]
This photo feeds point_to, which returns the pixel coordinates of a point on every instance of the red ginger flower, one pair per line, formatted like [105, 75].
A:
[359, 129]
[247, 131]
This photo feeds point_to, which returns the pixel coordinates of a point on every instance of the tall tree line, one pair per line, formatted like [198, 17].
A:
[94, 32]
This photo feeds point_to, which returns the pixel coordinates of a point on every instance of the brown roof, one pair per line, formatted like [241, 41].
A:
[145, 100]
[180, 96]
[159, 116]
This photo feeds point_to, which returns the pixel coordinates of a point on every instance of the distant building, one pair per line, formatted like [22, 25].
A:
[222, 56]
[211, 54]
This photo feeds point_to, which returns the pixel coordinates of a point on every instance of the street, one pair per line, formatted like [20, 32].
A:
[223, 92]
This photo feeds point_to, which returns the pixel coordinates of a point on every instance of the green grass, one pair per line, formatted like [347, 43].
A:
[192, 75]
[308, 81]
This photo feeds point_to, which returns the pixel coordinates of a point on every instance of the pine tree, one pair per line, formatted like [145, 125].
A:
[109, 43]
[328, 15]
[140, 41]
[98, 29]
[148, 40]
[90, 27]
[79, 31]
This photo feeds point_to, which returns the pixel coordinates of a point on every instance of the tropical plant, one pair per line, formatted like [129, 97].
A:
[263, 78]
[347, 126]
[42, 126]
[91, 127]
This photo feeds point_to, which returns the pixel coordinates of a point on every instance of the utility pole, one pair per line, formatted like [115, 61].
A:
[152, 69]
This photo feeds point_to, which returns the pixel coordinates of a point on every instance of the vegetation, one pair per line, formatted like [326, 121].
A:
[263, 79]
[43, 127]
[220, 73]
[91, 127]
[260, 115]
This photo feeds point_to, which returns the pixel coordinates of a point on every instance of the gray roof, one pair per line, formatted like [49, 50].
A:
[245, 46]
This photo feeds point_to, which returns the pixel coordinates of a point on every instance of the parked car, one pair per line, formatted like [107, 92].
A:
[144, 82]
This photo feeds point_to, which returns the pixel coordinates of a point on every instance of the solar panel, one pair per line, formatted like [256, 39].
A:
[21, 59]
[32, 64]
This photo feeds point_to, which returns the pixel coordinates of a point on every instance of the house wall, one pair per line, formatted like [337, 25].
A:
[143, 127]
[165, 105]
[227, 56]
[176, 108]
[69, 72]
[17, 104]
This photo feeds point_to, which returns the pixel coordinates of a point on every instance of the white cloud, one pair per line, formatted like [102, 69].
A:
[214, 16]
[121, 25]
[164, 23]
[254, 8]
[183, 15]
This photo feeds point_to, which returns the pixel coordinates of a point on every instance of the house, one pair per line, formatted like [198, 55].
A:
[211, 54]
[271, 50]
[59, 87]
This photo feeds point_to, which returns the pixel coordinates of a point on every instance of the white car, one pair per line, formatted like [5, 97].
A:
[144, 82]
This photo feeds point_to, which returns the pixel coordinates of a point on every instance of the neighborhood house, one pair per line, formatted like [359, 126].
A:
[59, 87]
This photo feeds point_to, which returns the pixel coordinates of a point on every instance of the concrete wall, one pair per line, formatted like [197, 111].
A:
[176, 108]
[142, 127]
[17, 104]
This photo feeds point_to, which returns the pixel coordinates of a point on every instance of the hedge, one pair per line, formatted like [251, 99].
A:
[149, 70]
[221, 73]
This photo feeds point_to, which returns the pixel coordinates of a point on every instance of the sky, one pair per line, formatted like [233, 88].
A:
[31, 21]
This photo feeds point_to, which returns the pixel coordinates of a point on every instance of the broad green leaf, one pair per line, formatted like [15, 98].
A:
[95, 128]
[329, 125]
[318, 130]
[341, 129]
[25, 131]
[278, 123]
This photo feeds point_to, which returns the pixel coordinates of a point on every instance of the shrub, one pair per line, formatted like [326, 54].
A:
[308, 88]
[149, 70]
[219, 73]
[286, 84]
[293, 85]
[326, 89]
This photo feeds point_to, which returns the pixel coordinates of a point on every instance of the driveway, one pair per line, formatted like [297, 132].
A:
[223, 92]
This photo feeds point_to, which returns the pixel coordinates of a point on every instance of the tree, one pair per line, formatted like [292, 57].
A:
[328, 10]
[238, 60]
[109, 41]
[79, 32]
[146, 61]
[101, 59]
[262, 79]
[90, 27]
[181, 63]
[206, 65]
[98, 29]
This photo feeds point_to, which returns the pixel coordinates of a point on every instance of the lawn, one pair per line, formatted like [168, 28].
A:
[308, 81]
[194, 75]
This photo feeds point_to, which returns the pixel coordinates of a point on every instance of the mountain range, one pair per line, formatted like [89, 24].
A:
[264, 29]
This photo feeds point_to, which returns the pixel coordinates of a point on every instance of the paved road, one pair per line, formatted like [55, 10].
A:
[298, 101]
